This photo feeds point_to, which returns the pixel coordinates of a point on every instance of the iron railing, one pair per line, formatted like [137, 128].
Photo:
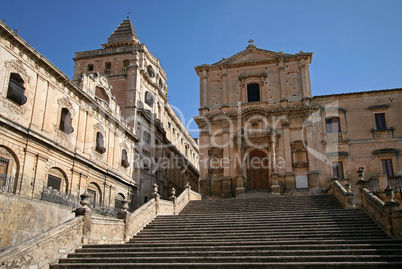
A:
[373, 184]
[6, 183]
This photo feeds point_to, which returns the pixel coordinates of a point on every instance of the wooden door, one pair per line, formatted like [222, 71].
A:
[258, 171]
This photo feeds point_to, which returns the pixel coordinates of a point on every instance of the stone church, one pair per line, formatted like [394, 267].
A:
[261, 128]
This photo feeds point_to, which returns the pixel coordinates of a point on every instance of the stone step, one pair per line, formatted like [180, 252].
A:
[264, 241]
[289, 236]
[255, 232]
[261, 225]
[269, 232]
[257, 247]
[203, 258]
[272, 214]
[235, 265]
[243, 252]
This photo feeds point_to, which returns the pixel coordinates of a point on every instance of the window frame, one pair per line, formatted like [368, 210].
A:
[380, 122]
[16, 89]
[330, 125]
[253, 92]
[338, 170]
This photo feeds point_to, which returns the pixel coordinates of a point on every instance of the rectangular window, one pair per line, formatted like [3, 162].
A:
[387, 167]
[92, 197]
[146, 137]
[3, 171]
[380, 121]
[253, 92]
[333, 125]
[53, 182]
[337, 169]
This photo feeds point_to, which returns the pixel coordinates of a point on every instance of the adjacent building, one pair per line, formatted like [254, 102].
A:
[166, 153]
[110, 131]
[261, 128]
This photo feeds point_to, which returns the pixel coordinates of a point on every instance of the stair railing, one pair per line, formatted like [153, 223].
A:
[344, 195]
[137, 220]
[387, 215]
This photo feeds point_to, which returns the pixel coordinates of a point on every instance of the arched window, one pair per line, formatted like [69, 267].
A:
[124, 159]
[151, 72]
[118, 201]
[108, 68]
[90, 67]
[56, 180]
[126, 63]
[253, 92]
[149, 99]
[94, 194]
[16, 89]
[100, 144]
[146, 137]
[66, 121]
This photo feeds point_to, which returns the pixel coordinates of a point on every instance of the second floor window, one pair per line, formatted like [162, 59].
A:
[380, 121]
[253, 92]
[146, 137]
[16, 89]
[124, 159]
[66, 121]
[149, 99]
[333, 125]
[100, 144]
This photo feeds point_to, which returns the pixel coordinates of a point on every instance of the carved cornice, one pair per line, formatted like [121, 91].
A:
[65, 102]
[258, 75]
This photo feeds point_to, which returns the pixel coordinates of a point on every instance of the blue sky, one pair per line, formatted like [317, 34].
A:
[356, 43]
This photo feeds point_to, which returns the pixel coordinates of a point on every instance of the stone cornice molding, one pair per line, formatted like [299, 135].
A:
[244, 77]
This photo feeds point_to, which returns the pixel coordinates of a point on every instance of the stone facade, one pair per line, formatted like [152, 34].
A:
[61, 135]
[166, 153]
[261, 128]
[64, 137]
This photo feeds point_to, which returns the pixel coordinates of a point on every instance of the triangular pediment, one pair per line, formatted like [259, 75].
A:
[251, 54]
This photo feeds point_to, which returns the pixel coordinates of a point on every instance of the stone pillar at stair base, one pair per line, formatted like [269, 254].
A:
[227, 187]
[240, 185]
[290, 182]
[313, 182]
[275, 188]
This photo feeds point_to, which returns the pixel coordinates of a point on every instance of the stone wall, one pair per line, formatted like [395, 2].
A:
[22, 218]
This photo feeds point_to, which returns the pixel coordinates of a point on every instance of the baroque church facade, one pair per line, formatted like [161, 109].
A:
[109, 132]
[261, 128]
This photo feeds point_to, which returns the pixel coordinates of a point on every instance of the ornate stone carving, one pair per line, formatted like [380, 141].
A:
[65, 102]
[20, 110]
[17, 67]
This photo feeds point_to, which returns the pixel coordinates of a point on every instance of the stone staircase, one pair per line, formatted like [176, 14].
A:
[257, 232]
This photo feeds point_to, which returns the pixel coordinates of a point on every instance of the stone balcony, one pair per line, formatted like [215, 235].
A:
[384, 133]
[334, 137]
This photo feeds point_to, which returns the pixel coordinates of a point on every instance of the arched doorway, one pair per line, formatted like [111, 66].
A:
[258, 171]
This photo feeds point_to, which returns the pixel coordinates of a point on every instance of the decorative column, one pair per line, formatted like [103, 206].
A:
[240, 179]
[282, 78]
[204, 88]
[275, 188]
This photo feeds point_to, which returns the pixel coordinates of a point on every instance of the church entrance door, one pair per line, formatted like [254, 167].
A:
[258, 171]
